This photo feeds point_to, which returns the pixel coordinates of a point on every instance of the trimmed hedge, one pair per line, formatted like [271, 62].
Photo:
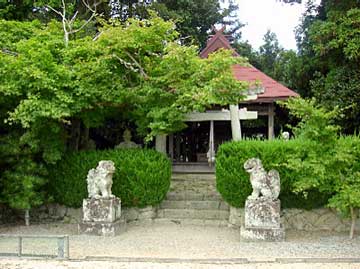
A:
[233, 182]
[142, 176]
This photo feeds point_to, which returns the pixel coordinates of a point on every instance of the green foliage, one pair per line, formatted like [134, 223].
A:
[144, 62]
[50, 89]
[318, 164]
[316, 122]
[269, 53]
[193, 18]
[316, 125]
[334, 161]
[15, 10]
[346, 167]
[22, 179]
[142, 177]
[328, 62]
[340, 88]
[233, 181]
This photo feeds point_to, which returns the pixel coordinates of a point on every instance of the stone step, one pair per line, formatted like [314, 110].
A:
[193, 186]
[193, 196]
[193, 214]
[197, 222]
[190, 177]
[213, 205]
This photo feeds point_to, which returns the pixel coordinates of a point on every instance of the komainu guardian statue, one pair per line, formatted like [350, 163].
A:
[102, 210]
[266, 184]
[262, 208]
[99, 180]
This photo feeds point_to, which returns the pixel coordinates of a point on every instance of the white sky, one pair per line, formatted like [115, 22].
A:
[261, 15]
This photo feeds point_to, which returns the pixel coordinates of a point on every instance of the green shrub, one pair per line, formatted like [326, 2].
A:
[142, 176]
[233, 182]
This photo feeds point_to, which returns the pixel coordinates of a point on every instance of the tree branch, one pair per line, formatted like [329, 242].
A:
[12, 53]
[142, 71]
[56, 11]
[85, 23]
[73, 17]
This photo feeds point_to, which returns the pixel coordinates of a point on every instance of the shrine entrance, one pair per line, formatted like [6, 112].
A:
[199, 142]
[194, 148]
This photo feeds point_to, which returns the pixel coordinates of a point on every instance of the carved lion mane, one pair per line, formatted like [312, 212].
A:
[266, 184]
[99, 180]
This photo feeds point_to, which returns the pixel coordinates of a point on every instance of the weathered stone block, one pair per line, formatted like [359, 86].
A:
[236, 216]
[262, 213]
[147, 213]
[103, 228]
[262, 234]
[101, 209]
[262, 221]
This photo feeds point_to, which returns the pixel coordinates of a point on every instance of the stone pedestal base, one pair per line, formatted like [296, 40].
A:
[102, 216]
[262, 212]
[103, 228]
[262, 221]
[101, 209]
[262, 234]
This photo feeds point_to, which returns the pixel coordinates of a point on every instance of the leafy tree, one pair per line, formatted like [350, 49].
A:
[53, 89]
[269, 53]
[245, 49]
[328, 57]
[333, 164]
[345, 165]
[194, 19]
[15, 10]
[286, 68]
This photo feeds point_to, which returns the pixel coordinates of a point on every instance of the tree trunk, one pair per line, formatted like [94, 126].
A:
[75, 134]
[353, 221]
[84, 138]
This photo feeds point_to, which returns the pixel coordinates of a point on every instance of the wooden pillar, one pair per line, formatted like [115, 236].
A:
[271, 114]
[177, 147]
[160, 143]
[211, 152]
[235, 122]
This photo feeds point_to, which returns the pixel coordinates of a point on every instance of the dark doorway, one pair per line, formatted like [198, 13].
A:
[191, 145]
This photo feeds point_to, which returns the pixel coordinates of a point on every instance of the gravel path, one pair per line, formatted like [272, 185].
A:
[156, 242]
[32, 264]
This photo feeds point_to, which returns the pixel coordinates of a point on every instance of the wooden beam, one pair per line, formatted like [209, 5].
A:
[220, 115]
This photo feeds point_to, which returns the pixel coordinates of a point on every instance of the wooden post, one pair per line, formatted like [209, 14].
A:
[211, 152]
[271, 113]
[235, 122]
[160, 143]
[177, 147]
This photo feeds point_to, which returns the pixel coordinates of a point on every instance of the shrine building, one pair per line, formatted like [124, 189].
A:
[194, 148]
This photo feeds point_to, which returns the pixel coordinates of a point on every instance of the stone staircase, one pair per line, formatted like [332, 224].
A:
[193, 199]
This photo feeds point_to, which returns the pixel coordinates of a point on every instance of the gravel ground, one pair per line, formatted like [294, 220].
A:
[31, 264]
[156, 242]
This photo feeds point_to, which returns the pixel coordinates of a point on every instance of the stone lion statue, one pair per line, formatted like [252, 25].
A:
[99, 180]
[266, 184]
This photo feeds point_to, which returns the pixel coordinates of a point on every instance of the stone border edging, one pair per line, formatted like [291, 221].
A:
[199, 261]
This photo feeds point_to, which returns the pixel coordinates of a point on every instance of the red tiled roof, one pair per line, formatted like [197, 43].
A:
[273, 90]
